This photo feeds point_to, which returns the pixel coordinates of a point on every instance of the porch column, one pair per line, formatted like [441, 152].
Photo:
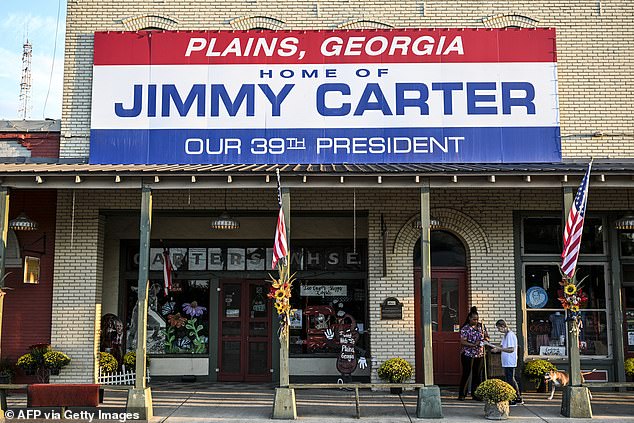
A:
[429, 404]
[576, 399]
[284, 343]
[140, 398]
[284, 406]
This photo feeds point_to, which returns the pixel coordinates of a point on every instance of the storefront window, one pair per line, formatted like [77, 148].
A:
[543, 235]
[322, 304]
[177, 323]
[546, 327]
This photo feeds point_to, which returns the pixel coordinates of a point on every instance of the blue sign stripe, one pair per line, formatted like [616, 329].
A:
[332, 145]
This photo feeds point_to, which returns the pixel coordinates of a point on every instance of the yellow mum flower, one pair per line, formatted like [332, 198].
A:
[570, 289]
[574, 308]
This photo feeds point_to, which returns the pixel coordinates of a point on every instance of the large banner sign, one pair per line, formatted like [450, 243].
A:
[396, 96]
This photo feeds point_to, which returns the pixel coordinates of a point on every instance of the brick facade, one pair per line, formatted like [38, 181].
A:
[595, 59]
[595, 55]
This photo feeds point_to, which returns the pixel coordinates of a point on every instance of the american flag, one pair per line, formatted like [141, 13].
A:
[167, 270]
[280, 247]
[574, 227]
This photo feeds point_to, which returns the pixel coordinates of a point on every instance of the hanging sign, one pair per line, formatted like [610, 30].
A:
[367, 96]
[323, 290]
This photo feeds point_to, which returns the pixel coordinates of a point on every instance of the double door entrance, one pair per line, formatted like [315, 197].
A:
[244, 333]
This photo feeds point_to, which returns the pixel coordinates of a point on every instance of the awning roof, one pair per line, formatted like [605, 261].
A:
[82, 175]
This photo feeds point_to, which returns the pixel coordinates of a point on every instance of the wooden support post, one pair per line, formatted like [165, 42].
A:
[140, 398]
[429, 404]
[576, 399]
[284, 403]
[573, 336]
[284, 340]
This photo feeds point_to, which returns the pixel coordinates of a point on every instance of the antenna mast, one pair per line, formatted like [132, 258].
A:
[24, 109]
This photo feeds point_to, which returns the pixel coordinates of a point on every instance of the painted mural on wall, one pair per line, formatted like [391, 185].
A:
[177, 323]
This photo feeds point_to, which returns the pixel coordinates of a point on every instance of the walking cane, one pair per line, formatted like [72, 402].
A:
[484, 330]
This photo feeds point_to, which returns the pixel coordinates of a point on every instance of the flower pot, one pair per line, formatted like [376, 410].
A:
[29, 372]
[396, 391]
[496, 410]
[54, 372]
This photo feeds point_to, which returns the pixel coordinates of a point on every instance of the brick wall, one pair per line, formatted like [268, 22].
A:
[482, 218]
[595, 53]
[595, 59]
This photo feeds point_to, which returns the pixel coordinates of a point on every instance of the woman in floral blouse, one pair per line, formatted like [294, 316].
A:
[472, 335]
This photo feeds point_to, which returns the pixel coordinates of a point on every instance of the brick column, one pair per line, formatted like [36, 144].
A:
[77, 285]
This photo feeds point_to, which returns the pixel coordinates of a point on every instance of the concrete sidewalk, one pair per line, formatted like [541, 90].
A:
[226, 402]
[326, 406]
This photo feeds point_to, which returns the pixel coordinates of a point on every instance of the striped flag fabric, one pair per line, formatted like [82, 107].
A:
[574, 227]
[167, 271]
[280, 245]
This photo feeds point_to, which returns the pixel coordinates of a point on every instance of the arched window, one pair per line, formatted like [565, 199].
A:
[364, 24]
[149, 23]
[447, 250]
[509, 21]
[257, 22]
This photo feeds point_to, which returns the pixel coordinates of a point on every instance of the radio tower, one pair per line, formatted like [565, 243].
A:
[24, 109]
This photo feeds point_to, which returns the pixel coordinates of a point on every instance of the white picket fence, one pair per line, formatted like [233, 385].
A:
[125, 377]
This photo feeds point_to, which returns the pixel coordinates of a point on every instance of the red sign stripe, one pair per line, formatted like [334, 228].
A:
[357, 46]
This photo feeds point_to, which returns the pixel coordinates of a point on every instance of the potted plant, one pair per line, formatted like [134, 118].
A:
[55, 360]
[129, 360]
[629, 368]
[395, 370]
[7, 370]
[107, 362]
[27, 363]
[496, 395]
[536, 369]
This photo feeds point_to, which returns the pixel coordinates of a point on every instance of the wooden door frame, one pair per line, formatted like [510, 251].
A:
[243, 375]
[418, 329]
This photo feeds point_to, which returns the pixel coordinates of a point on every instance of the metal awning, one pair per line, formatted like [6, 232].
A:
[608, 173]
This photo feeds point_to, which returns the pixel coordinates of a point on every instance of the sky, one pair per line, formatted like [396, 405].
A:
[36, 19]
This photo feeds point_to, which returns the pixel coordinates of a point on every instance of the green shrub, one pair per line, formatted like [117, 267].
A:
[55, 359]
[629, 366]
[536, 369]
[107, 362]
[495, 390]
[395, 370]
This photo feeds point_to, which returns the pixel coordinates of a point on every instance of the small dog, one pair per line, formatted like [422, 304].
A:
[560, 378]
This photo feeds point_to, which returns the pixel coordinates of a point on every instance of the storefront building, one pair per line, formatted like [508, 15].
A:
[354, 237]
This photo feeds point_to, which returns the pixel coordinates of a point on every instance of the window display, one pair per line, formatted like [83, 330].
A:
[320, 305]
[177, 323]
[546, 320]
